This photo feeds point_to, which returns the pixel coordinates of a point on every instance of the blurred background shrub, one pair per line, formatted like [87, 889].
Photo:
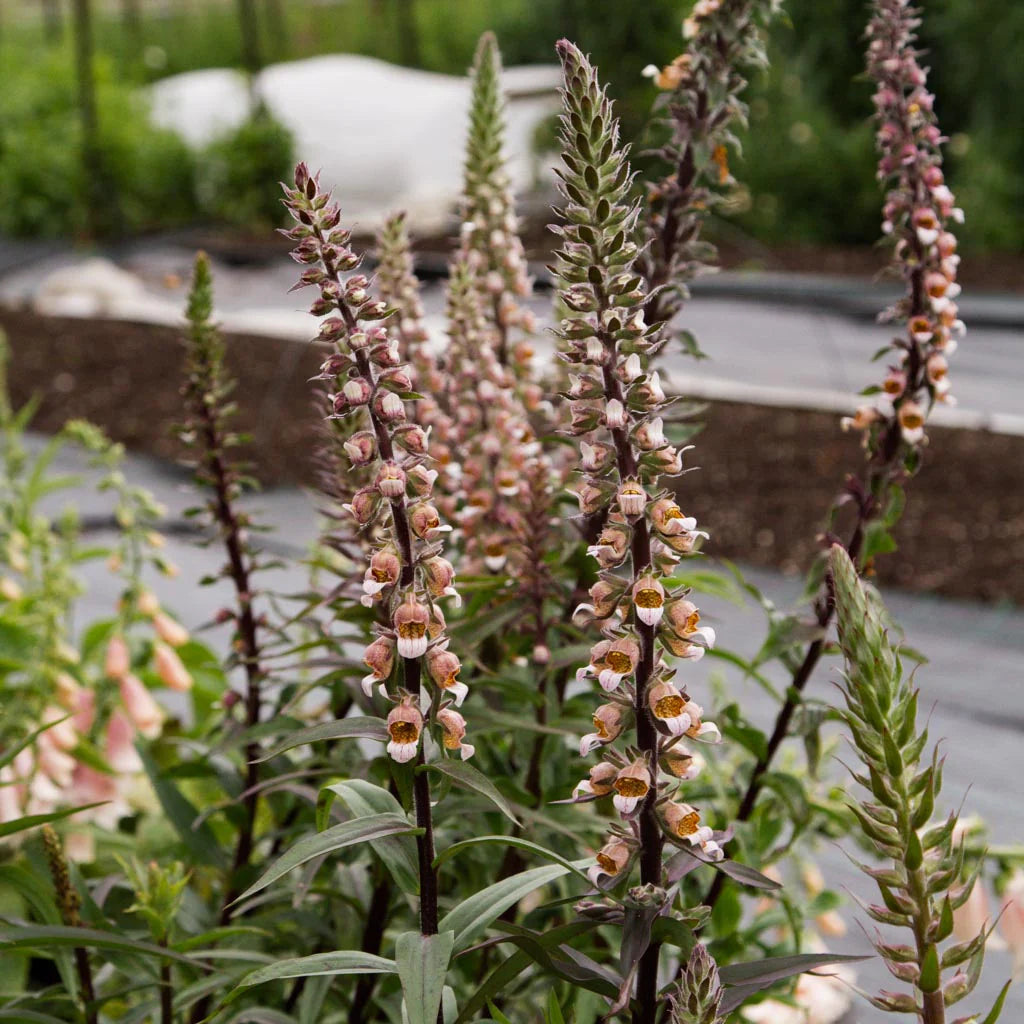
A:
[806, 164]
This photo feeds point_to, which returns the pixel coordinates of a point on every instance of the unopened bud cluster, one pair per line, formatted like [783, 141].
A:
[489, 241]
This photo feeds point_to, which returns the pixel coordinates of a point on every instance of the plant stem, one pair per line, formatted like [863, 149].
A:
[84, 970]
[239, 571]
[166, 994]
[373, 937]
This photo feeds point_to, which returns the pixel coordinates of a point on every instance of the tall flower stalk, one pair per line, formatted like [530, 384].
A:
[700, 107]
[490, 244]
[918, 215]
[923, 882]
[616, 404]
[207, 430]
[407, 574]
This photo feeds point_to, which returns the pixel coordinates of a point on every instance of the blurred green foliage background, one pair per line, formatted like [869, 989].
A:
[807, 163]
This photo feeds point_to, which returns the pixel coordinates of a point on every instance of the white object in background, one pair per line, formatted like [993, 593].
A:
[384, 137]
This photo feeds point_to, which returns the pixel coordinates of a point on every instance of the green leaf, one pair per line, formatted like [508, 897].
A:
[29, 1017]
[364, 728]
[777, 968]
[997, 1007]
[746, 875]
[476, 912]
[199, 841]
[554, 1014]
[422, 962]
[468, 777]
[10, 753]
[507, 971]
[9, 828]
[41, 937]
[349, 833]
[397, 853]
[343, 961]
[522, 844]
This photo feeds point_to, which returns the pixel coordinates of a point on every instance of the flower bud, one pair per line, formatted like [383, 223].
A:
[444, 668]
[357, 391]
[363, 506]
[170, 669]
[607, 727]
[117, 662]
[454, 726]
[143, 711]
[361, 448]
[171, 632]
[391, 481]
[379, 658]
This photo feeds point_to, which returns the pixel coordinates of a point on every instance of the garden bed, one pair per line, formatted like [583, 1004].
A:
[767, 474]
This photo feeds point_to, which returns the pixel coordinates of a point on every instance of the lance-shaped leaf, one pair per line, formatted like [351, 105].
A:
[349, 833]
[362, 798]
[361, 728]
[422, 962]
[468, 777]
[343, 961]
[474, 914]
[43, 937]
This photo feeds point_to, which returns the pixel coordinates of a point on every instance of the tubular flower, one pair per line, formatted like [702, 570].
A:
[607, 726]
[454, 726]
[170, 669]
[668, 706]
[681, 763]
[407, 574]
[612, 860]
[918, 212]
[631, 785]
[598, 782]
[681, 633]
[444, 668]
[405, 724]
[683, 822]
[611, 661]
[379, 658]
[410, 623]
[649, 600]
[635, 528]
[142, 710]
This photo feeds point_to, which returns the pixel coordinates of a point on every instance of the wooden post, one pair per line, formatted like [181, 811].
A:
[252, 59]
[53, 23]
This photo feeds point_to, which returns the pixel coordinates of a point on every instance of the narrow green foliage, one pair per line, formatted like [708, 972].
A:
[925, 880]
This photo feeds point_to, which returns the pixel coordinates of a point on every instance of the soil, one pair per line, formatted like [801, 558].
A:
[768, 474]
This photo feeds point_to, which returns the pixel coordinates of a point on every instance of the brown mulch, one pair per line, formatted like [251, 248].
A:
[767, 475]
